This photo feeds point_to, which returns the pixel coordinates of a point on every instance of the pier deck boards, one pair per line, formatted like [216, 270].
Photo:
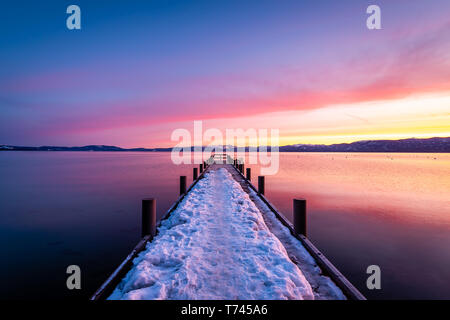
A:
[299, 249]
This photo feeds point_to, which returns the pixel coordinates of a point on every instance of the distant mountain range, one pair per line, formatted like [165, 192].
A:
[84, 148]
[403, 145]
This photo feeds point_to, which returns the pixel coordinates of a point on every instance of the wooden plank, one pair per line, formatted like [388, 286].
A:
[113, 280]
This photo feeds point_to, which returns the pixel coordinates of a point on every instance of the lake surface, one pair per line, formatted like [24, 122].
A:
[83, 208]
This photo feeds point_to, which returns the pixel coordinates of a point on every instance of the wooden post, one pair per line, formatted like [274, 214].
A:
[300, 216]
[242, 169]
[249, 176]
[261, 184]
[195, 174]
[201, 167]
[148, 217]
[182, 185]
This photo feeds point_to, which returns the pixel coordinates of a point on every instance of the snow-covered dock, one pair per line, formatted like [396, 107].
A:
[223, 241]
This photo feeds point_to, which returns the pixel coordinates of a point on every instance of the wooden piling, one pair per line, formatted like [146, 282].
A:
[300, 216]
[249, 176]
[148, 217]
[261, 184]
[195, 174]
[182, 185]
[201, 167]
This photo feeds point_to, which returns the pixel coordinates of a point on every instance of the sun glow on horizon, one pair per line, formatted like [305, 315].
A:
[422, 116]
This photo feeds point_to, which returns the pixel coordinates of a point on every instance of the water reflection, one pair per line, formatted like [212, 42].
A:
[392, 210]
[62, 208]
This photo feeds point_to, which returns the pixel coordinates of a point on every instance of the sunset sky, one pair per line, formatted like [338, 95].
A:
[137, 70]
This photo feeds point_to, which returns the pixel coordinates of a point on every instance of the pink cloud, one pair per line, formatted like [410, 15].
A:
[413, 66]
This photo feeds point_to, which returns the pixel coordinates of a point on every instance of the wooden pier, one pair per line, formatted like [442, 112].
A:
[236, 168]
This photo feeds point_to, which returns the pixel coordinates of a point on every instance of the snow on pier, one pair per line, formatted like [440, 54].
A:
[217, 245]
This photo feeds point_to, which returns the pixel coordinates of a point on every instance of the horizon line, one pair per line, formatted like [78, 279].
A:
[203, 146]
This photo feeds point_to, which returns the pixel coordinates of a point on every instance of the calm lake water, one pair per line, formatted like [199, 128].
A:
[83, 208]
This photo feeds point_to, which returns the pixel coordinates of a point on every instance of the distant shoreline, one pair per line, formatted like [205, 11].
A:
[412, 145]
[125, 151]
